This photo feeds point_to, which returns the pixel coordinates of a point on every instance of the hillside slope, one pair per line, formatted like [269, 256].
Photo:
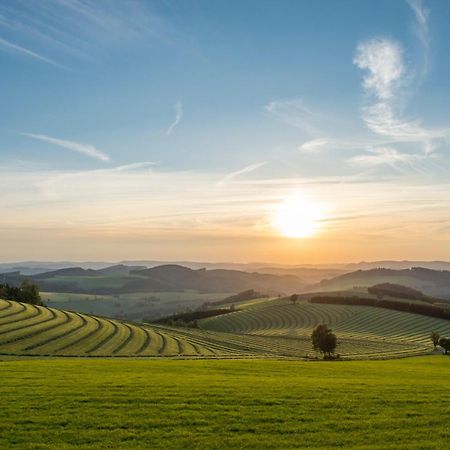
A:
[167, 278]
[431, 282]
[362, 331]
[175, 278]
[268, 329]
[35, 330]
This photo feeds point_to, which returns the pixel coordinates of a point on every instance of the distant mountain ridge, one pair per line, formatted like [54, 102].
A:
[173, 277]
[311, 272]
[68, 272]
[432, 282]
[165, 278]
[398, 265]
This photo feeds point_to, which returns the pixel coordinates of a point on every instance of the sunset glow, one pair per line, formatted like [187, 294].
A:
[209, 149]
[297, 217]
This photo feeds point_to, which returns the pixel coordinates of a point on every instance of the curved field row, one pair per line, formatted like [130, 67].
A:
[272, 330]
[35, 330]
[362, 330]
[10, 310]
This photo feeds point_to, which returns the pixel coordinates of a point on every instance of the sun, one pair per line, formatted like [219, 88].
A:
[298, 217]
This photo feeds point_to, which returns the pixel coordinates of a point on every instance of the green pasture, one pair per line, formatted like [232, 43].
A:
[206, 404]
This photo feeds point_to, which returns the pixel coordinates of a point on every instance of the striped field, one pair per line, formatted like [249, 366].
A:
[40, 331]
[34, 330]
[266, 329]
[362, 331]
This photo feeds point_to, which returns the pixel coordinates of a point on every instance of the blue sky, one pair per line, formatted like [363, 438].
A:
[199, 117]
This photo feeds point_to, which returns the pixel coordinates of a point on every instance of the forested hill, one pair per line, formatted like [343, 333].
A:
[165, 278]
[431, 282]
[175, 278]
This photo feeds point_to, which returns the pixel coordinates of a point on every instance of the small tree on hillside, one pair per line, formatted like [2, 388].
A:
[444, 342]
[294, 298]
[324, 340]
[435, 338]
[29, 293]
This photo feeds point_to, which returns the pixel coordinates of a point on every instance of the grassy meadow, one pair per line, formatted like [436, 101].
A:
[118, 403]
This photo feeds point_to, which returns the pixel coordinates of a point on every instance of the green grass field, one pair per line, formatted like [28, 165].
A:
[134, 404]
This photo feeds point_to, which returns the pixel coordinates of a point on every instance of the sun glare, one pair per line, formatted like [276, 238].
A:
[298, 217]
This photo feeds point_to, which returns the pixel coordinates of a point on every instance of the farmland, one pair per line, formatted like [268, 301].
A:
[273, 328]
[362, 331]
[34, 330]
[28, 330]
[107, 403]
[132, 306]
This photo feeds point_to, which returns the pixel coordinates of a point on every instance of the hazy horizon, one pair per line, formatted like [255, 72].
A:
[289, 132]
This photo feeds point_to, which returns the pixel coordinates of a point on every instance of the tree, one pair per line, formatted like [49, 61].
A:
[294, 298]
[444, 342]
[435, 338]
[324, 340]
[29, 293]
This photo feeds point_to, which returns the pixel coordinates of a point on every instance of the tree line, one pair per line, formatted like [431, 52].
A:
[416, 308]
[27, 292]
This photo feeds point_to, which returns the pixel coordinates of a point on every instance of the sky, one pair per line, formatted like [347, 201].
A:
[180, 129]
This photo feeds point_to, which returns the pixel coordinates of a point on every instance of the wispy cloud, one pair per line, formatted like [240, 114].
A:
[247, 169]
[421, 15]
[178, 116]
[86, 29]
[86, 149]
[294, 112]
[383, 61]
[98, 201]
[386, 82]
[314, 146]
[25, 51]
[383, 156]
[52, 186]
[382, 119]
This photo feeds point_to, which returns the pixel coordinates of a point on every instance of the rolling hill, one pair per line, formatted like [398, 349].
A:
[362, 331]
[432, 282]
[176, 278]
[34, 330]
[271, 328]
[28, 330]
[167, 278]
